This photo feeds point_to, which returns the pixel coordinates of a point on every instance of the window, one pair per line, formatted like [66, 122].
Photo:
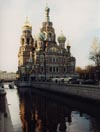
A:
[50, 69]
[56, 69]
[41, 59]
[49, 36]
[64, 69]
[53, 59]
[53, 69]
[42, 69]
[27, 40]
[22, 41]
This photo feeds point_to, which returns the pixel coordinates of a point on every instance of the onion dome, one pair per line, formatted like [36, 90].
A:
[27, 25]
[61, 38]
[41, 36]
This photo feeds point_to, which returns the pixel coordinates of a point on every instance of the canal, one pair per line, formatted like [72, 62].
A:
[38, 111]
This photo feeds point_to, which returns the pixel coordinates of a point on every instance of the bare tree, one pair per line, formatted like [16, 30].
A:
[95, 52]
[95, 56]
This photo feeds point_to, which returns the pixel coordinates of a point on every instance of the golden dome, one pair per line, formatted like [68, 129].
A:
[27, 25]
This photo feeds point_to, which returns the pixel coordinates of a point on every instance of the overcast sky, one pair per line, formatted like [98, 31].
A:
[79, 20]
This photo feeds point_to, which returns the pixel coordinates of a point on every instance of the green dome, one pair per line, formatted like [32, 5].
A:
[61, 38]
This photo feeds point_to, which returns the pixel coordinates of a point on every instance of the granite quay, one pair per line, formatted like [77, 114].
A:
[79, 90]
[84, 91]
[5, 119]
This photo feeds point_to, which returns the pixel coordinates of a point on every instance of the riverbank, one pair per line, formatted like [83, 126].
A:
[83, 91]
[5, 118]
[79, 90]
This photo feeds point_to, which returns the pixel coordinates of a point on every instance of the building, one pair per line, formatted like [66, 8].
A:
[43, 57]
[7, 76]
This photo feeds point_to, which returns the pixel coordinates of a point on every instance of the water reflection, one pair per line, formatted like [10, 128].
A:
[13, 104]
[41, 114]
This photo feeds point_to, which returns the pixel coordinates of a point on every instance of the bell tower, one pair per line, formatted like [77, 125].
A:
[27, 43]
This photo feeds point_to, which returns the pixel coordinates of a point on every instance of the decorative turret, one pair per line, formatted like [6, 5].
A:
[27, 44]
[62, 40]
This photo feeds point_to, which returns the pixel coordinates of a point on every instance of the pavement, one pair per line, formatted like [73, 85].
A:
[5, 121]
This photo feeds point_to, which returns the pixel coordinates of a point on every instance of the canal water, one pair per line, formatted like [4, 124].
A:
[36, 111]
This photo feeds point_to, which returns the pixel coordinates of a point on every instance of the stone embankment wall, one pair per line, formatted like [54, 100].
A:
[5, 118]
[85, 91]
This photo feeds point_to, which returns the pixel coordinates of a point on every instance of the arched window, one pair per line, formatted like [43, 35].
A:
[22, 41]
[64, 69]
[42, 69]
[27, 40]
[53, 69]
[49, 36]
[56, 69]
[53, 37]
[50, 69]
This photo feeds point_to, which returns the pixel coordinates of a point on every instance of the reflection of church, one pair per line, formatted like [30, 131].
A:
[42, 56]
[43, 114]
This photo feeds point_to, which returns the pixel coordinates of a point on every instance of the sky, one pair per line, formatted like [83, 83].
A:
[78, 19]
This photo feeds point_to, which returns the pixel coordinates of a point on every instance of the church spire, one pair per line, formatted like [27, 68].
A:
[47, 10]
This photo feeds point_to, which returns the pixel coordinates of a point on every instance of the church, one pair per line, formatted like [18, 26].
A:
[43, 57]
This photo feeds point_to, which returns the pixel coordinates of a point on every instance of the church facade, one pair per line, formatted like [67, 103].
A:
[43, 57]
